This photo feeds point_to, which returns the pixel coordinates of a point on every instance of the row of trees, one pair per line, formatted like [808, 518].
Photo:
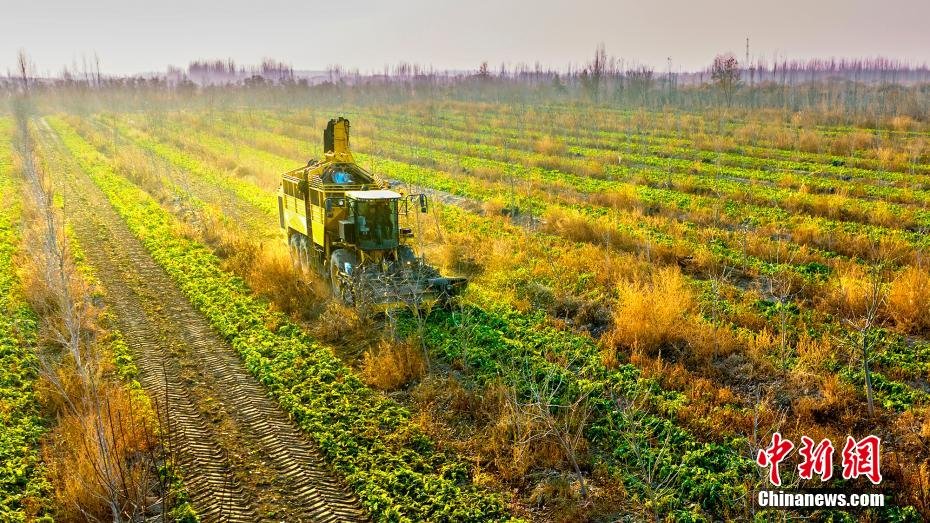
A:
[874, 88]
[222, 72]
[102, 453]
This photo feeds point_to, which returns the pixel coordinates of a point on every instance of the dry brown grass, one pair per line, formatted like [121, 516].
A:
[338, 322]
[891, 159]
[487, 424]
[836, 399]
[812, 352]
[851, 143]
[706, 343]
[848, 293]
[350, 332]
[750, 132]
[447, 396]
[459, 255]
[483, 425]
[267, 267]
[811, 142]
[780, 137]
[506, 437]
[579, 228]
[909, 300]
[607, 268]
[903, 123]
[71, 454]
[269, 271]
[625, 199]
[806, 118]
[550, 145]
[641, 119]
[652, 313]
[561, 496]
[494, 206]
[762, 344]
[390, 366]
[488, 173]
[708, 412]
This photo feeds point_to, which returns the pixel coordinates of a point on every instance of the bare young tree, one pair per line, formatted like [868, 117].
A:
[766, 419]
[484, 72]
[640, 80]
[23, 69]
[73, 365]
[554, 414]
[726, 75]
[67, 328]
[593, 75]
[864, 324]
[719, 276]
[780, 285]
[647, 455]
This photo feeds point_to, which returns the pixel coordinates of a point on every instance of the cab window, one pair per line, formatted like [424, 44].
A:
[376, 222]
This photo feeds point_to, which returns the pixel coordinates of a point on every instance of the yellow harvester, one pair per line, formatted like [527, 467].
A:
[345, 224]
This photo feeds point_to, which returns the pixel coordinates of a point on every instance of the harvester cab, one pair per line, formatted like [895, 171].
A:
[372, 220]
[345, 224]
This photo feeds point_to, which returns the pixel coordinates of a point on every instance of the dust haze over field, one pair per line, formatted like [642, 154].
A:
[436, 262]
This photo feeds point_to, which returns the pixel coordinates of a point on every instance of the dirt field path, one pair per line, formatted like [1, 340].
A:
[243, 459]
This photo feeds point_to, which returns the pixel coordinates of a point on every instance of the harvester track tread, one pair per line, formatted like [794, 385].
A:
[242, 458]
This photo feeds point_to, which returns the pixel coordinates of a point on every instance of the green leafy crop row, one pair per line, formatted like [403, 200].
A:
[702, 496]
[714, 495]
[647, 152]
[397, 471]
[636, 229]
[608, 133]
[518, 347]
[632, 228]
[23, 486]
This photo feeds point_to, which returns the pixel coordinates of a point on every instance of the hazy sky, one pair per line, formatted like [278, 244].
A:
[133, 36]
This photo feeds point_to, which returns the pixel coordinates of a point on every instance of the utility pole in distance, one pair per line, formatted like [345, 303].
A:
[747, 62]
[669, 78]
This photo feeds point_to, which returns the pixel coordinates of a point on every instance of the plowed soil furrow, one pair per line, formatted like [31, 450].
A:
[243, 459]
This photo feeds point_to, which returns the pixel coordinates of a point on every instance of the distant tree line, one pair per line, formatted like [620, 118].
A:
[225, 72]
[874, 88]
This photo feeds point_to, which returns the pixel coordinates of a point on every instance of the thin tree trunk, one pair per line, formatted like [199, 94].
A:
[868, 373]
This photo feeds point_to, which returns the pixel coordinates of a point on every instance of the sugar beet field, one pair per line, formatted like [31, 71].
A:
[650, 296]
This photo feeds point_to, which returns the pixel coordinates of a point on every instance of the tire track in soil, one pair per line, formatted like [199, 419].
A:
[243, 459]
